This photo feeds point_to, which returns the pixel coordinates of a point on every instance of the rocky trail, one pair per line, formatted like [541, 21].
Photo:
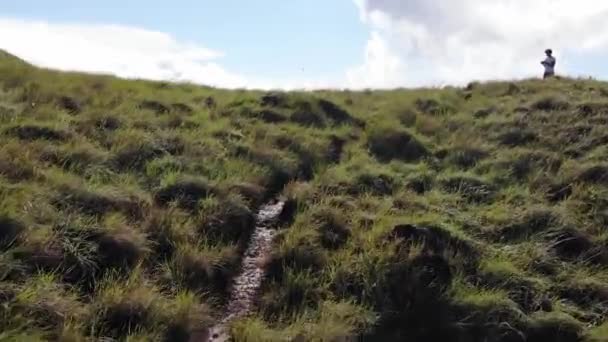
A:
[246, 284]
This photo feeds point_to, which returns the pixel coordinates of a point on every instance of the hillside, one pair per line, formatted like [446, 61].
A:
[475, 214]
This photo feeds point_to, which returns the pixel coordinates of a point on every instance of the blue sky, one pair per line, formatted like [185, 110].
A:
[309, 44]
[270, 37]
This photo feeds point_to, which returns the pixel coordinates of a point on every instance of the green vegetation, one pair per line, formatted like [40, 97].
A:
[475, 214]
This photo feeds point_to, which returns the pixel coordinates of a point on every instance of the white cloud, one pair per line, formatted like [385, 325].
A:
[131, 52]
[446, 41]
[120, 50]
[381, 68]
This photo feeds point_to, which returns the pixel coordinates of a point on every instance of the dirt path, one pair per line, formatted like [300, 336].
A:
[247, 283]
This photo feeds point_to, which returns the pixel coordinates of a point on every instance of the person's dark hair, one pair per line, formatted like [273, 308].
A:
[549, 51]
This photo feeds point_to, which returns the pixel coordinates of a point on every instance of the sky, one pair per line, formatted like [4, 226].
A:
[308, 44]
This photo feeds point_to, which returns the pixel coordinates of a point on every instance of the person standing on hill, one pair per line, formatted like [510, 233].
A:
[549, 64]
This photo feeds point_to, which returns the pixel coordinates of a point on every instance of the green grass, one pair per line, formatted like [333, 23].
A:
[461, 214]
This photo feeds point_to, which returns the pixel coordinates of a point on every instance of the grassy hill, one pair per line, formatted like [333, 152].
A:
[476, 214]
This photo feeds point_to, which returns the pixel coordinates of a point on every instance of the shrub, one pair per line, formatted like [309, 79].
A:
[517, 137]
[186, 193]
[33, 132]
[420, 183]
[270, 116]
[429, 126]
[554, 326]
[571, 244]
[434, 239]
[375, 184]
[108, 123]
[433, 107]
[389, 144]
[513, 89]
[122, 310]
[77, 159]
[471, 189]
[46, 256]
[288, 214]
[194, 270]
[228, 221]
[210, 102]
[466, 157]
[550, 103]
[298, 258]
[483, 113]
[187, 317]
[574, 134]
[586, 293]
[338, 115]
[592, 108]
[164, 234]
[96, 124]
[252, 193]
[558, 192]
[16, 171]
[335, 148]
[532, 222]
[198, 272]
[429, 276]
[596, 174]
[333, 230]
[70, 104]
[47, 305]
[411, 294]
[308, 118]
[181, 108]
[135, 157]
[407, 117]
[122, 248]
[274, 99]
[525, 163]
[97, 204]
[154, 106]
[297, 291]
[10, 231]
